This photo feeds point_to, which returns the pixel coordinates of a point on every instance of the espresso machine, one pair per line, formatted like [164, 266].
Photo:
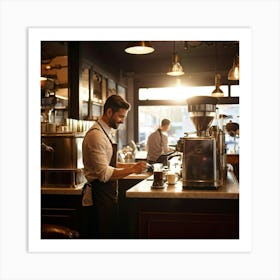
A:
[204, 154]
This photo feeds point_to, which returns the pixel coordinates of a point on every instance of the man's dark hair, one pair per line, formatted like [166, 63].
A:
[116, 102]
[165, 122]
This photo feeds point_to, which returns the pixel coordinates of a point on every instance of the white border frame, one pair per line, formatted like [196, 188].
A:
[36, 35]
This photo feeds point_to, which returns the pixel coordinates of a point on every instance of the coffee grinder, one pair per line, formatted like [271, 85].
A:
[204, 157]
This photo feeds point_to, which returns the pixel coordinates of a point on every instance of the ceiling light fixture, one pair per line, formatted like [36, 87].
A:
[139, 47]
[233, 73]
[217, 92]
[176, 68]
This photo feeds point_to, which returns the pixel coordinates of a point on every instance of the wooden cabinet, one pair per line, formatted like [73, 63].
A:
[66, 210]
[63, 210]
[184, 218]
[186, 225]
[124, 185]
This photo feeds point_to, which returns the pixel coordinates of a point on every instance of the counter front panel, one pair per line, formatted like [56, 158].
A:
[175, 213]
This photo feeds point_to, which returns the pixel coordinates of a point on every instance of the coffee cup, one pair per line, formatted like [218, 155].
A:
[171, 178]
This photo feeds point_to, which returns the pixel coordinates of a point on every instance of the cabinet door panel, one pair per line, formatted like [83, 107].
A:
[63, 217]
[187, 225]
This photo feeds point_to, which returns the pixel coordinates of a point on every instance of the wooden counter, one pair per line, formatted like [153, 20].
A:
[78, 188]
[144, 190]
[175, 213]
[62, 205]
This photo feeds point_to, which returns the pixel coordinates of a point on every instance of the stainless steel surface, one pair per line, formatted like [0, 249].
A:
[62, 165]
[199, 164]
[62, 178]
[204, 158]
[67, 151]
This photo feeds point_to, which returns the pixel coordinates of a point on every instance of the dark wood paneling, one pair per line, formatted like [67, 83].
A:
[74, 74]
[187, 225]
[63, 210]
[184, 218]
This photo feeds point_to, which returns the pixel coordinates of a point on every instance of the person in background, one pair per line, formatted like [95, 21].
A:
[101, 168]
[157, 143]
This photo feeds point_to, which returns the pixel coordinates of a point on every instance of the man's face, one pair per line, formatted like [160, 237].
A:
[166, 127]
[117, 118]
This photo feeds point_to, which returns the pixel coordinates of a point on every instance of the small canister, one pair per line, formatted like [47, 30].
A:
[51, 128]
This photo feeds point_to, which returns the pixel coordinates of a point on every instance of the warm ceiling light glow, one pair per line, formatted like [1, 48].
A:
[140, 47]
[233, 73]
[176, 68]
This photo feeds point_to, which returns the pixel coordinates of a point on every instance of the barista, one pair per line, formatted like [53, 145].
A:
[102, 170]
[157, 144]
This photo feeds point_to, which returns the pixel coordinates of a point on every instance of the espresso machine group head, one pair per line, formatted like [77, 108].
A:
[204, 158]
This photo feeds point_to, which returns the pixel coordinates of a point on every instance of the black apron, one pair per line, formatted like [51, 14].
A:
[105, 201]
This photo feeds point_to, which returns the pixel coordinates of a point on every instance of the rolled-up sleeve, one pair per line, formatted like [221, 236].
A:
[97, 153]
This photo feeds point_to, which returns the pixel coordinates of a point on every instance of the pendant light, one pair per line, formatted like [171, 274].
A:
[217, 92]
[233, 73]
[176, 68]
[139, 47]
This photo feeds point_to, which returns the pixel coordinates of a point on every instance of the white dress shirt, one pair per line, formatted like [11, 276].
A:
[157, 144]
[97, 152]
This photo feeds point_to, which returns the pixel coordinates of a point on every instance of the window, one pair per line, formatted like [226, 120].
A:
[150, 115]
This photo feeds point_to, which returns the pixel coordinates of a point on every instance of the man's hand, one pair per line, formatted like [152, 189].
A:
[139, 167]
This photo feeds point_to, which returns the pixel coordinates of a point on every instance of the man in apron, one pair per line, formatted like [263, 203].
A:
[157, 144]
[101, 168]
